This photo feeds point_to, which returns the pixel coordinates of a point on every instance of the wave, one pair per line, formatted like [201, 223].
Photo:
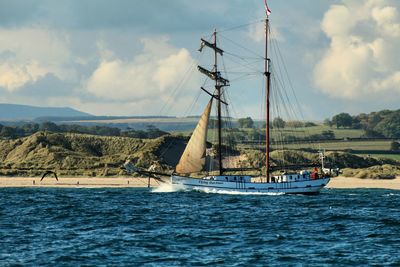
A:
[168, 188]
[391, 195]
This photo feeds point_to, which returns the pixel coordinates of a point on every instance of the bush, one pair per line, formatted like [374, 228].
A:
[309, 124]
[278, 123]
[246, 122]
[295, 124]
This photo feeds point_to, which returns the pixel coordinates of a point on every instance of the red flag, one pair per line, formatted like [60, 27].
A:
[267, 10]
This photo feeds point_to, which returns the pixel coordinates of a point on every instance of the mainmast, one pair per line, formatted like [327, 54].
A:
[218, 89]
[220, 82]
[267, 90]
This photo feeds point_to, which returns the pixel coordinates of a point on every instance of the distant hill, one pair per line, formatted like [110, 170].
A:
[12, 112]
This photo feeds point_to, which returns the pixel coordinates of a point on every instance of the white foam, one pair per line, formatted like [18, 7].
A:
[390, 195]
[232, 192]
[168, 188]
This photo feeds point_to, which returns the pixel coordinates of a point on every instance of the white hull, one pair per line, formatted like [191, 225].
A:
[295, 187]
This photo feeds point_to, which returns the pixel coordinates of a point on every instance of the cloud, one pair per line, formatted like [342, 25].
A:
[42, 66]
[256, 32]
[177, 15]
[361, 61]
[154, 73]
[28, 54]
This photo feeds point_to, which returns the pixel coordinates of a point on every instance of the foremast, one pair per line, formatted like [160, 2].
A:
[267, 74]
[220, 82]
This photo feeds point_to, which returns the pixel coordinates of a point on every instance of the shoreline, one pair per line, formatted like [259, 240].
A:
[143, 182]
[80, 182]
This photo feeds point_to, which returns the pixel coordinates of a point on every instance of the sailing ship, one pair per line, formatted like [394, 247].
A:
[193, 159]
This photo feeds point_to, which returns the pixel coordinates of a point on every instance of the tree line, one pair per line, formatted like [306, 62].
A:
[277, 123]
[385, 123]
[11, 132]
[247, 131]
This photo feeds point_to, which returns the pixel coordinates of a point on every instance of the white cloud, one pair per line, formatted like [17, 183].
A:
[33, 53]
[256, 32]
[361, 61]
[14, 75]
[153, 74]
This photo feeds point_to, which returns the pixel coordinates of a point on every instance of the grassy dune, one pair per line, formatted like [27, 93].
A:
[98, 156]
[79, 154]
[385, 171]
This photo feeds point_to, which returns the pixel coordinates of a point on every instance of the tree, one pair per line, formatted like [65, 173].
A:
[374, 119]
[8, 132]
[255, 135]
[356, 123]
[49, 126]
[246, 122]
[395, 146]
[278, 122]
[342, 120]
[328, 122]
[30, 128]
[390, 126]
[154, 132]
[328, 134]
[372, 134]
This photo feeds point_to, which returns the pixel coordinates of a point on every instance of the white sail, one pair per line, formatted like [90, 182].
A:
[194, 157]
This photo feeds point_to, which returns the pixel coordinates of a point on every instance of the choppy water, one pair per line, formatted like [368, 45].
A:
[131, 227]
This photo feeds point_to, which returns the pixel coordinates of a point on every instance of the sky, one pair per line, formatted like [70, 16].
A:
[134, 57]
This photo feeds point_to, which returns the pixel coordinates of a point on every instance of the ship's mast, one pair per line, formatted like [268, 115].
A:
[267, 90]
[218, 90]
[220, 82]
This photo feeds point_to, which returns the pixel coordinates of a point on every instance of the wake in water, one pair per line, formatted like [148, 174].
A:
[169, 188]
[228, 192]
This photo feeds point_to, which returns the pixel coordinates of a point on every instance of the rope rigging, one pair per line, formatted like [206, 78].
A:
[243, 68]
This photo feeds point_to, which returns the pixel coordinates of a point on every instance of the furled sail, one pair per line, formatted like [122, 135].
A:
[194, 157]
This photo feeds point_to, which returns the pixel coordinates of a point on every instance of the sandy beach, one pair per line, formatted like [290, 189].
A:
[349, 182]
[99, 182]
[81, 182]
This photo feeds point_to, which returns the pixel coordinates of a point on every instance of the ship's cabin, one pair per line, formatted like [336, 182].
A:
[291, 177]
[282, 178]
[229, 178]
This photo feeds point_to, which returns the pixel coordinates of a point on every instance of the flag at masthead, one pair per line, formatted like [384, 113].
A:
[267, 10]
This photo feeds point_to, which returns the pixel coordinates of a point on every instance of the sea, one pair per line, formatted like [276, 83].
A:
[144, 227]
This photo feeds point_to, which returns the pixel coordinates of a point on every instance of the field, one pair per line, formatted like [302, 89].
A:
[341, 145]
[343, 142]
[307, 131]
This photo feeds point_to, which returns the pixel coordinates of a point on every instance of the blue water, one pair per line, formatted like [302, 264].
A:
[132, 227]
